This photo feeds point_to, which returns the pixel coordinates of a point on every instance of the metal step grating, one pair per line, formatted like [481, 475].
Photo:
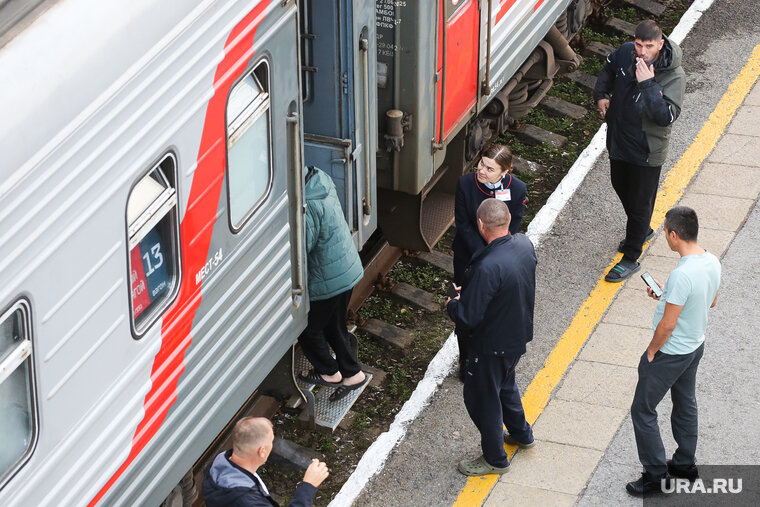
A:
[327, 414]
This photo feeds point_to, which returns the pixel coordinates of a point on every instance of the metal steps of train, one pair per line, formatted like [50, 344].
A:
[327, 414]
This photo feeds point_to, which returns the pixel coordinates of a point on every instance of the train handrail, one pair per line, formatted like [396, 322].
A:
[298, 189]
[367, 200]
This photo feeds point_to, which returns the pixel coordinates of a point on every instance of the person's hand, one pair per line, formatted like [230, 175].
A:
[651, 293]
[650, 355]
[603, 105]
[643, 71]
[316, 473]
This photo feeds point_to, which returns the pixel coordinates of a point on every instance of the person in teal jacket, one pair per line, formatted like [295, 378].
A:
[334, 268]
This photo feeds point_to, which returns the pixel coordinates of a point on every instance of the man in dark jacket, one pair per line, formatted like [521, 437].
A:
[496, 309]
[232, 481]
[639, 93]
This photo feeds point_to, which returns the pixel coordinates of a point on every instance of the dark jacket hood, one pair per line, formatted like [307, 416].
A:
[318, 184]
[224, 483]
[670, 57]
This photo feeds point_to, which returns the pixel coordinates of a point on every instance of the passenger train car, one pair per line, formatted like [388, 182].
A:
[151, 200]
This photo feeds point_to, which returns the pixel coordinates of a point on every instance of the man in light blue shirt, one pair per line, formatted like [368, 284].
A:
[672, 357]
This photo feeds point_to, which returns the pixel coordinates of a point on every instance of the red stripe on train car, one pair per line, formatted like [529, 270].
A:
[504, 6]
[205, 192]
[538, 4]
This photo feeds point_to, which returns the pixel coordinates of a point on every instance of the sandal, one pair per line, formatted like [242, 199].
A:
[622, 270]
[479, 466]
[343, 390]
[315, 378]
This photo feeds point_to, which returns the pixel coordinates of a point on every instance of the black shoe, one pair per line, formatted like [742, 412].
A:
[646, 485]
[650, 235]
[684, 472]
[622, 270]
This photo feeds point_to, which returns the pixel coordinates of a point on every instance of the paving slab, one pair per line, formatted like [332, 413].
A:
[753, 99]
[551, 459]
[745, 122]
[519, 495]
[737, 149]
[579, 424]
[616, 344]
[714, 240]
[658, 267]
[632, 308]
[599, 384]
[717, 211]
[729, 180]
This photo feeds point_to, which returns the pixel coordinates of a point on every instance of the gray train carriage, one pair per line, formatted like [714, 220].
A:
[451, 73]
[151, 220]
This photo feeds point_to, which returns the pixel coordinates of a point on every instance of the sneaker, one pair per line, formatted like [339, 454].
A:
[522, 445]
[646, 485]
[479, 466]
[684, 472]
[622, 270]
[650, 235]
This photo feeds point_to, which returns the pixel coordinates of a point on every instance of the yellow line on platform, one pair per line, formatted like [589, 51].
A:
[539, 391]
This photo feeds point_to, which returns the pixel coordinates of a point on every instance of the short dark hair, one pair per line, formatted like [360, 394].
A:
[647, 30]
[494, 214]
[683, 221]
[501, 155]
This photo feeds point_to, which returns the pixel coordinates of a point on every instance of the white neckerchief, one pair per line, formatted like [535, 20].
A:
[261, 483]
[494, 186]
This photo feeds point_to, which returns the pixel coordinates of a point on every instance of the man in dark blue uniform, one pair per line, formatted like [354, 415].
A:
[496, 310]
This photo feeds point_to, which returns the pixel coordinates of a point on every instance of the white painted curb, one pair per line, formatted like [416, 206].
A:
[374, 458]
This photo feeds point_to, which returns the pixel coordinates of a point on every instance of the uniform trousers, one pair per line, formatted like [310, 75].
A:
[327, 328]
[679, 374]
[493, 400]
[636, 186]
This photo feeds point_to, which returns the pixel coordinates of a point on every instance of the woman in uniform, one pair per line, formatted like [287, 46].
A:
[493, 178]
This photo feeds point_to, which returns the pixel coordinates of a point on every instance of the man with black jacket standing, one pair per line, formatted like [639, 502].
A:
[496, 310]
[639, 93]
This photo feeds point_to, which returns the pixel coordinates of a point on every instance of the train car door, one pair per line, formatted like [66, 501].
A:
[340, 103]
[458, 37]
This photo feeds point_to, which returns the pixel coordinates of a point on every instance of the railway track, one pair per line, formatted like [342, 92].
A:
[396, 308]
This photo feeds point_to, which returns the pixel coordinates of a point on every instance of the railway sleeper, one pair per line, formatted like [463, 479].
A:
[559, 107]
[598, 49]
[621, 26]
[388, 334]
[528, 167]
[583, 79]
[436, 259]
[530, 134]
[409, 294]
[654, 8]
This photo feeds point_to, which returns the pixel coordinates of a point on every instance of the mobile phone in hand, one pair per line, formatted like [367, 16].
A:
[452, 291]
[651, 283]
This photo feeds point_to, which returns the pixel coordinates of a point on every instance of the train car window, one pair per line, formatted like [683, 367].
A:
[249, 167]
[18, 417]
[153, 243]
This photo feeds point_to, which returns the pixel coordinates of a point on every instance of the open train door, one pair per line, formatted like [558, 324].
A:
[340, 104]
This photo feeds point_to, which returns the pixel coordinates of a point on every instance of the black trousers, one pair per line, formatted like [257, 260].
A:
[493, 400]
[679, 374]
[636, 186]
[327, 328]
